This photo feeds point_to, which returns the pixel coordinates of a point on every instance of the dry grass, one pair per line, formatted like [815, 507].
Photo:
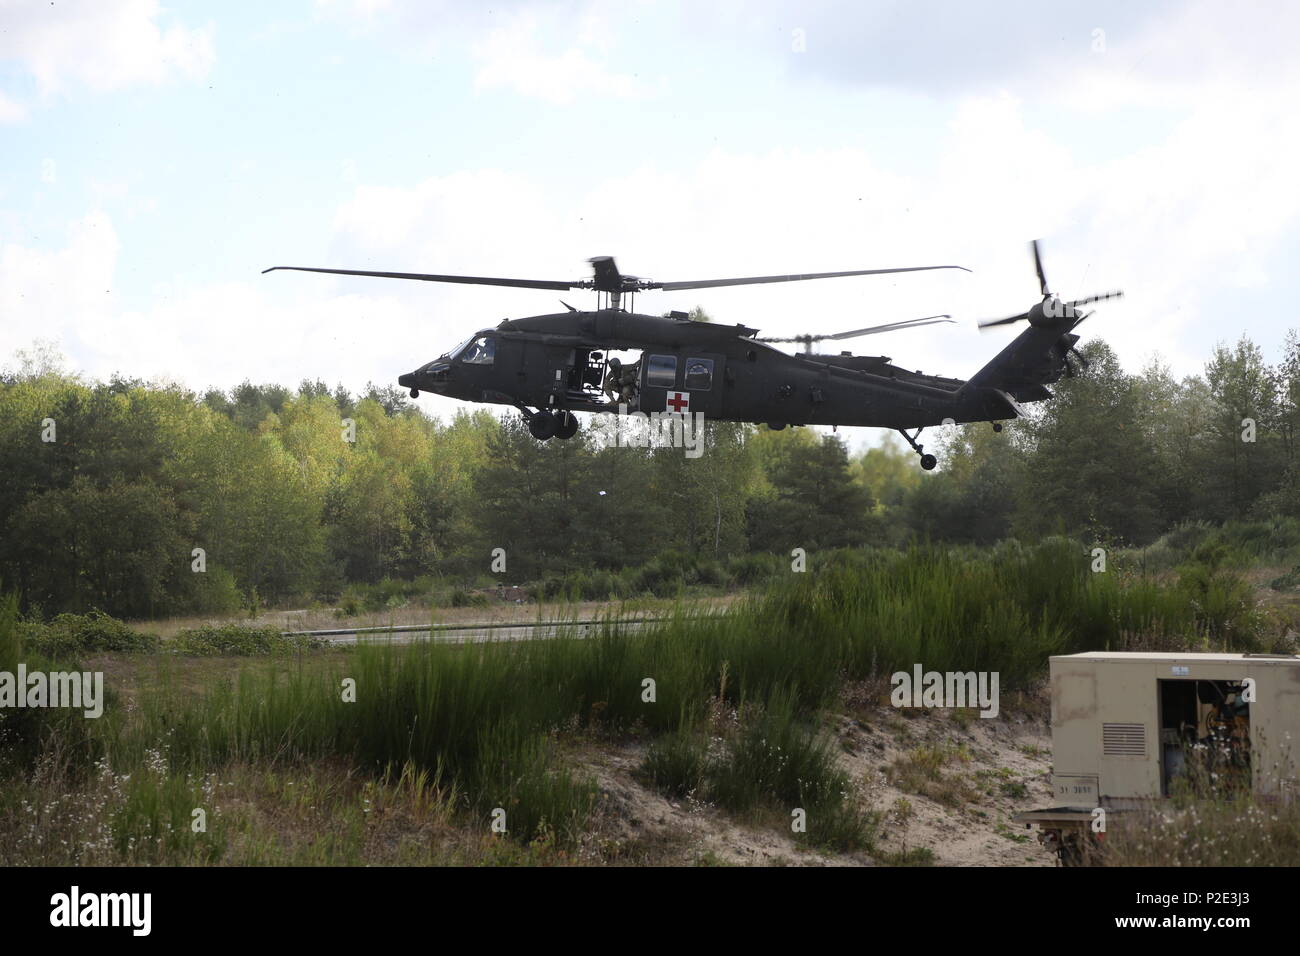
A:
[1249, 831]
[322, 814]
[922, 772]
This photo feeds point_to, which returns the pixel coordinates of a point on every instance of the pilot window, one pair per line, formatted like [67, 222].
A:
[699, 374]
[480, 352]
[661, 371]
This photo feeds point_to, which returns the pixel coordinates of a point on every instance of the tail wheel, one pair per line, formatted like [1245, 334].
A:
[542, 425]
[928, 462]
[566, 424]
[1070, 852]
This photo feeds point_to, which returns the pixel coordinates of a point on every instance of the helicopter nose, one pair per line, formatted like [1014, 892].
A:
[430, 378]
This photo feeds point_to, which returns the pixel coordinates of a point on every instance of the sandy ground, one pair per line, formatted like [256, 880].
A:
[1004, 767]
[1005, 764]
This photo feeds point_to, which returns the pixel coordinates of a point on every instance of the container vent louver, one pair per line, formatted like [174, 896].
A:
[1124, 740]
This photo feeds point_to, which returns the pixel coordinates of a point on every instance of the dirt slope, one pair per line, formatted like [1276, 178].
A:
[963, 777]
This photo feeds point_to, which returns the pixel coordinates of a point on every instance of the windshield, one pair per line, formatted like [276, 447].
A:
[458, 349]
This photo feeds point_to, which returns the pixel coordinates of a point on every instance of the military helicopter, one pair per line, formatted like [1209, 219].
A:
[551, 366]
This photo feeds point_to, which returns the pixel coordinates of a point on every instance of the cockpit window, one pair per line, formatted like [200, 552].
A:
[458, 349]
[699, 374]
[481, 351]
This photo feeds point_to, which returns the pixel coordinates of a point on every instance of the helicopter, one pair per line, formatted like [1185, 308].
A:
[551, 366]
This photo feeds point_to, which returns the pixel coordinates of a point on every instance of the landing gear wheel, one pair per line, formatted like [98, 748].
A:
[415, 393]
[542, 425]
[566, 424]
[927, 461]
[997, 426]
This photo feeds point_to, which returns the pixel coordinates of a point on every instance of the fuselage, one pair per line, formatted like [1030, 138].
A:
[559, 361]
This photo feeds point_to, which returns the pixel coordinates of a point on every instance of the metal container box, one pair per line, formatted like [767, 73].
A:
[1123, 724]
[1128, 727]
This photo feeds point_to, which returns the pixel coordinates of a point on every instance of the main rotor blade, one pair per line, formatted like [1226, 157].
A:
[758, 280]
[889, 327]
[1038, 266]
[1117, 294]
[893, 326]
[467, 280]
[607, 277]
[1007, 321]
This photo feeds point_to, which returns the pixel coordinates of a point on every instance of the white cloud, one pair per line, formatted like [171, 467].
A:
[511, 57]
[11, 111]
[216, 334]
[57, 292]
[365, 9]
[1181, 56]
[102, 46]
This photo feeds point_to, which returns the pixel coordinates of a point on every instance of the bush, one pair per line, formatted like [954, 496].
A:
[213, 592]
[71, 635]
[775, 762]
[1222, 600]
[1288, 581]
[664, 576]
[462, 598]
[1187, 535]
[778, 759]
[386, 594]
[236, 640]
[678, 763]
[752, 568]
[1261, 538]
[710, 573]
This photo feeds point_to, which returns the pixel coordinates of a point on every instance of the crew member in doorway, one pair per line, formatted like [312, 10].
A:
[620, 381]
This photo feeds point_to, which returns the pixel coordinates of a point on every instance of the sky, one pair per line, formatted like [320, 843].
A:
[154, 159]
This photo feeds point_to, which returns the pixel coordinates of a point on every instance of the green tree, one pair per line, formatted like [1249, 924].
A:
[705, 497]
[1235, 470]
[120, 548]
[1091, 470]
[972, 498]
[814, 502]
[529, 500]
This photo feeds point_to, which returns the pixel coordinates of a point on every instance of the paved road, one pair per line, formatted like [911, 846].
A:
[461, 634]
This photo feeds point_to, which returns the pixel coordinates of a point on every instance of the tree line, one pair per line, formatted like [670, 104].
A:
[112, 491]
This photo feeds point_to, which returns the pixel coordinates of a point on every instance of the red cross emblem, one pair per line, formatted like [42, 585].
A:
[679, 401]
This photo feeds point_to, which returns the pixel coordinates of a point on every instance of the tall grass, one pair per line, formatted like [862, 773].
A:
[481, 717]
[777, 762]
[27, 734]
